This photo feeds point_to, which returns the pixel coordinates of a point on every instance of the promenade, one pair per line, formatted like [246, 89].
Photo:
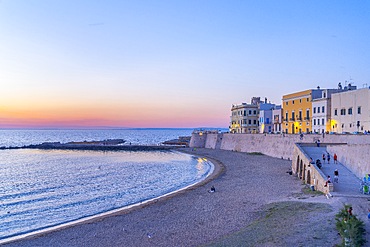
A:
[347, 190]
[348, 184]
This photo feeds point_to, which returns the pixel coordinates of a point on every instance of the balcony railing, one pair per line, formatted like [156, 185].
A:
[307, 118]
[292, 119]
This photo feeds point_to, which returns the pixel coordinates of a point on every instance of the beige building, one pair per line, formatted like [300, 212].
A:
[244, 117]
[350, 111]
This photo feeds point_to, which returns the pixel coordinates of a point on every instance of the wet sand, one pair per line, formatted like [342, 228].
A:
[246, 185]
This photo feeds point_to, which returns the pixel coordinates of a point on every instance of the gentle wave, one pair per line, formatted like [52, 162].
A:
[49, 188]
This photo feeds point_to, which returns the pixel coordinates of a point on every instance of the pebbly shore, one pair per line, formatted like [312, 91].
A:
[256, 203]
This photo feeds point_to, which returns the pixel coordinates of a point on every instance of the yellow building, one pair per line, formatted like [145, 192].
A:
[297, 111]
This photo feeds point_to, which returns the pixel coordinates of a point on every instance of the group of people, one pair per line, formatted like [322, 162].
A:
[327, 157]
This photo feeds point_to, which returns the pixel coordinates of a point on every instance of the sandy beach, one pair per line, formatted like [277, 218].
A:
[256, 203]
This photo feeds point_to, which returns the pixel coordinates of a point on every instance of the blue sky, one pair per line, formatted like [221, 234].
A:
[170, 63]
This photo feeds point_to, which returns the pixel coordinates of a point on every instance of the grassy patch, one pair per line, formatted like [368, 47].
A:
[307, 191]
[255, 153]
[281, 224]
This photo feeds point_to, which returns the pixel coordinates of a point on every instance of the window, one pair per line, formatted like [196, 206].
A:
[286, 116]
[350, 111]
[293, 118]
[255, 121]
[359, 110]
[342, 112]
[254, 112]
[314, 122]
[300, 115]
[250, 112]
[318, 109]
[308, 99]
[335, 112]
[322, 121]
[245, 113]
[267, 120]
[286, 103]
[300, 100]
[314, 110]
[307, 114]
[249, 121]
[324, 95]
[293, 102]
[323, 109]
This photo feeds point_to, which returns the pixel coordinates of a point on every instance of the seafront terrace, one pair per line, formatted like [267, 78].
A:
[349, 184]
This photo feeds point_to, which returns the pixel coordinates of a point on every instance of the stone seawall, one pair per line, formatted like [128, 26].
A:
[271, 144]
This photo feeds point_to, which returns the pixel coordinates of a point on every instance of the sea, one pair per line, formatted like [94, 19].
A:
[43, 189]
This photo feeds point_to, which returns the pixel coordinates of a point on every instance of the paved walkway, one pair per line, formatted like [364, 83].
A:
[348, 185]
[347, 190]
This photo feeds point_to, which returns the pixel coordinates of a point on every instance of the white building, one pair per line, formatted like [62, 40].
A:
[350, 111]
[321, 111]
[277, 114]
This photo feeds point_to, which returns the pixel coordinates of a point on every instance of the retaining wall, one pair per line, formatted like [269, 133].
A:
[275, 145]
[356, 157]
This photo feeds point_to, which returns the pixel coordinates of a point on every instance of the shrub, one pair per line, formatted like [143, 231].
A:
[350, 228]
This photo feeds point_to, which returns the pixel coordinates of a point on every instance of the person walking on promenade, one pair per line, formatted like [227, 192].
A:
[323, 158]
[328, 156]
[336, 176]
[335, 158]
[327, 189]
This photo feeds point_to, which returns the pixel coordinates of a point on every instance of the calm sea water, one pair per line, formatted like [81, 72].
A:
[12, 138]
[44, 188]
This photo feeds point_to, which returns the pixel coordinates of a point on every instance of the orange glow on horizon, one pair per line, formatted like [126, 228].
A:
[108, 117]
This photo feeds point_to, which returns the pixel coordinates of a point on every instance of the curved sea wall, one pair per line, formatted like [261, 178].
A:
[275, 145]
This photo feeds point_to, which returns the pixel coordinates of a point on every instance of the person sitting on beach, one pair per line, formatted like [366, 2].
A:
[212, 189]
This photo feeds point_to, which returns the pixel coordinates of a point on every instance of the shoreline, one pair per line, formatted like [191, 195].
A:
[217, 169]
[249, 188]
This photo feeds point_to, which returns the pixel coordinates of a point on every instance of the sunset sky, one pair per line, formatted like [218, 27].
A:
[157, 63]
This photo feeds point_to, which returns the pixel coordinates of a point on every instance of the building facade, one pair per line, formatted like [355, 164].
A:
[297, 111]
[277, 114]
[244, 118]
[321, 111]
[266, 118]
[350, 111]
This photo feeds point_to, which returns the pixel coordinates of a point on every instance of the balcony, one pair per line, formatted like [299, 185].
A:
[292, 119]
[307, 118]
